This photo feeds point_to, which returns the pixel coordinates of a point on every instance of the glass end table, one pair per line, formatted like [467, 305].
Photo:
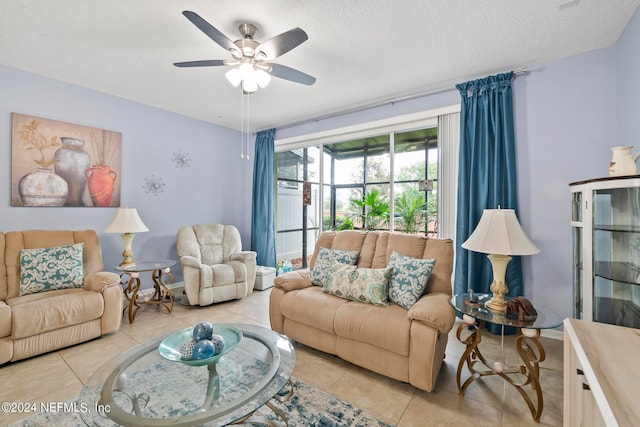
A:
[529, 348]
[161, 276]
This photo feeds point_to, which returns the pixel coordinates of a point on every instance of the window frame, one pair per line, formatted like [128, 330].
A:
[448, 153]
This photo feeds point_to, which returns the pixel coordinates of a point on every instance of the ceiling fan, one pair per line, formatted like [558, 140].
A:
[249, 57]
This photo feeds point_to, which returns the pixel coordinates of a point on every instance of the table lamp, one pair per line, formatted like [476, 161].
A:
[499, 234]
[126, 222]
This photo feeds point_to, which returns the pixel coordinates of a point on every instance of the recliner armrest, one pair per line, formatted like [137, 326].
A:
[100, 281]
[243, 256]
[190, 261]
[293, 280]
[434, 310]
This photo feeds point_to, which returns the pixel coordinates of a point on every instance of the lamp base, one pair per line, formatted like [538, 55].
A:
[498, 286]
[496, 306]
[126, 264]
[127, 254]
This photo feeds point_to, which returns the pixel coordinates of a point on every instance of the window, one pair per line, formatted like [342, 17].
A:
[392, 178]
[297, 216]
[416, 182]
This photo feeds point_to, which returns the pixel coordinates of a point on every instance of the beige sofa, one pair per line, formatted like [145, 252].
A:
[407, 345]
[36, 323]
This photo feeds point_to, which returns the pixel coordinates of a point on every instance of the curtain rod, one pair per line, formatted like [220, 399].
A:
[381, 103]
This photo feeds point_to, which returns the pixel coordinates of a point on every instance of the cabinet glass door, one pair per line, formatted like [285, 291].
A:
[616, 256]
[578, 255]
[578, 285]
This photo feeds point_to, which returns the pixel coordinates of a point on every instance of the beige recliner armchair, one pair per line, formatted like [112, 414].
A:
[32, 321]
[215, 268]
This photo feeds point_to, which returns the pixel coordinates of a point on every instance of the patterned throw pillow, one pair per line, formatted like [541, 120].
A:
[370, 285]
[48, 269]
[409, 278]
[326, 259]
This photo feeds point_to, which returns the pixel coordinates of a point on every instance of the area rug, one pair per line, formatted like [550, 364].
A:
[309, 406]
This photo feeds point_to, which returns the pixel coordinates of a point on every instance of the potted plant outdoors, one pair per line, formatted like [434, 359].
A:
[410, 210]
[373, 210]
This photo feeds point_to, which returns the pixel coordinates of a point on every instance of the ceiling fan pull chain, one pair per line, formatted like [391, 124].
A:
[242, 125]
[247, 128]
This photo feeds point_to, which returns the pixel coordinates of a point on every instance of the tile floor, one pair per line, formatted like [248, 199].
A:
[59, 376]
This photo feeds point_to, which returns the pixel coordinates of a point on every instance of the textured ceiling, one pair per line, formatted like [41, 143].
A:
[360, 51]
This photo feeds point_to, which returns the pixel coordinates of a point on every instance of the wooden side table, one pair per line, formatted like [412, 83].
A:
[161, 276]
[521, 377]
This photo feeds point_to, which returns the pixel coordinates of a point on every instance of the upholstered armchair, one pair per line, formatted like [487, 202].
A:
[215, 268]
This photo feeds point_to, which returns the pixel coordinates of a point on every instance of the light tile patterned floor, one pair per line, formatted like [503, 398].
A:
[58, 376]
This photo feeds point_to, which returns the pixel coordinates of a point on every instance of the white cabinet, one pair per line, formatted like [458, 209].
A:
[606, 250]
[601, 380]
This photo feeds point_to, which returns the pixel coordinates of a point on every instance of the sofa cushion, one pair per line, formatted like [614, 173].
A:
[384, 327]
[46, 269]
[368, 285]
[409, 278]
[327, 258]
[37, 313]
[312, 307]
[325, 240]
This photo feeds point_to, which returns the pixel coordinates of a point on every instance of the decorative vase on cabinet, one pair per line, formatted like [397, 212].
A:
[606, 250]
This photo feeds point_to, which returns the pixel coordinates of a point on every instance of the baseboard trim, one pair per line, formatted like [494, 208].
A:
[553, 334]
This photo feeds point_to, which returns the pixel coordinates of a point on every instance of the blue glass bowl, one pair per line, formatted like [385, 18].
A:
[170, 347]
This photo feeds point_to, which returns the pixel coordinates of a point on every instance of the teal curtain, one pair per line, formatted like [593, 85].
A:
[486, 178]
[263, 237]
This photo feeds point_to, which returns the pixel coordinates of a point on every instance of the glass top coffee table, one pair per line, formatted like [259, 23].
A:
[141, 388]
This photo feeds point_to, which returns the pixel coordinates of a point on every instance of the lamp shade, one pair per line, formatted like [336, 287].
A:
[126, 221]
[499, 232]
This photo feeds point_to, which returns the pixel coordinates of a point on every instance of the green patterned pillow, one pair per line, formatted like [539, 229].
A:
[409, 279]
[370, 285]
[48, 269]
[327, 258]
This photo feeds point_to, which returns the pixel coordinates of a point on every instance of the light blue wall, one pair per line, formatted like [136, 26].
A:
[565, 114]
[566, 119]
[628, 84]
[216, 188]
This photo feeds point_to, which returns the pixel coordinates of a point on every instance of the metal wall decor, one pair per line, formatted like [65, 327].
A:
[154, 185]
[181, 159]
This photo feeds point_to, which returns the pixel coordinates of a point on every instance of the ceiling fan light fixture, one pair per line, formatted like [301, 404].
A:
[262, 78]
[248, 56]
[234, 76]
[249, 85]
[246, 71]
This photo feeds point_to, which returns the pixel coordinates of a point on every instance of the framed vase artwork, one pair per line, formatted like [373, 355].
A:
[55, 163]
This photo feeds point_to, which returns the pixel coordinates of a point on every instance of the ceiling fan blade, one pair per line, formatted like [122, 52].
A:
[288, 73]
[213, 33]
[283, 43]
[205, 63]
